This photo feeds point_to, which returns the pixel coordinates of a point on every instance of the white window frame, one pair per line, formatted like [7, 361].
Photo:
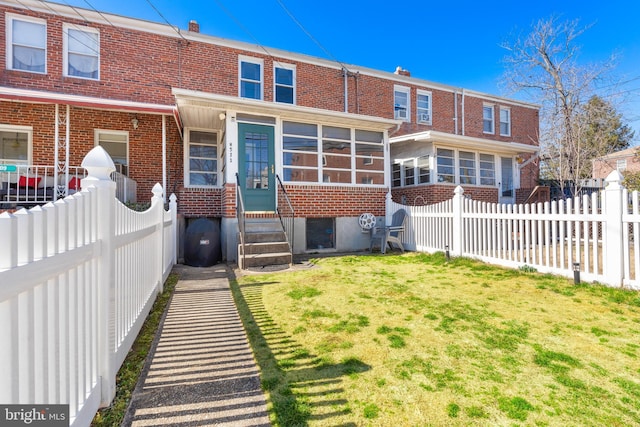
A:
[507, 122]
[480, 169]
[421, 112]
[10, 18]
[397, 107]
[489, 107]
[621, 165]
[473, 166]
[251, 60]
[292, 68]
[96, 137]
[20, 129]
[187, 157]
[65, 49]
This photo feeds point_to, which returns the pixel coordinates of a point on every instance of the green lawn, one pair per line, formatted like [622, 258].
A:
[414, 340]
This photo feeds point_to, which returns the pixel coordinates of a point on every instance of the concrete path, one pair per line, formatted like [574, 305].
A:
[201, 371]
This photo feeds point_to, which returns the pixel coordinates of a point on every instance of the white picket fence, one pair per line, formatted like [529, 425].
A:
[599, 234]
[77, 280]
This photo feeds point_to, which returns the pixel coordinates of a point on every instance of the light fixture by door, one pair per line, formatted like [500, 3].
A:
[134, 122]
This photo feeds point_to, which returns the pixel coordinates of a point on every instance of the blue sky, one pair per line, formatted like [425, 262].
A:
[451, 42]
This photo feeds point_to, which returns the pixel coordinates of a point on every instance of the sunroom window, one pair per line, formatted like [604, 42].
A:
[445, 164]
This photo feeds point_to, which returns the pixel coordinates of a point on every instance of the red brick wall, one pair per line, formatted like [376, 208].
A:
[430, 194]
[316, 201]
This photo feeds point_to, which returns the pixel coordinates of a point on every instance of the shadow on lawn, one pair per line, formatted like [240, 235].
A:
[302, 386]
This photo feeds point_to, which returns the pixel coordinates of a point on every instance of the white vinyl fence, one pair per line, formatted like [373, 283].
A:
[598, 234]
[77, 280]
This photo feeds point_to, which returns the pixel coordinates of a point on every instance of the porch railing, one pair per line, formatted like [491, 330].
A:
[240, 215]
[286, 213]
[22, 184]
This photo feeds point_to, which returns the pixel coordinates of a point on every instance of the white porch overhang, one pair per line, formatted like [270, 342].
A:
[41, 97]
[203, 110]
[467, 142]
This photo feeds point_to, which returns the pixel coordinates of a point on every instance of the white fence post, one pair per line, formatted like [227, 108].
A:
[456, 245]
[158, 204]
[173, 207]
[99, 167]
[612, 239]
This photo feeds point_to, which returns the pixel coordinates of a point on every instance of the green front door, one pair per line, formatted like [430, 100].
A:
[256, 167]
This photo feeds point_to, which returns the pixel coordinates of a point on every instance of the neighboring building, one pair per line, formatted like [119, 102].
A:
[191, 111]
[622, 161]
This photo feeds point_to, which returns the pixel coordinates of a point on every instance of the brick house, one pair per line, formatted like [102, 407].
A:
[198, 114]
[622, 161]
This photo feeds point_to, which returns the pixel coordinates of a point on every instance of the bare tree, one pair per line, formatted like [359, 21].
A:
[545, 66]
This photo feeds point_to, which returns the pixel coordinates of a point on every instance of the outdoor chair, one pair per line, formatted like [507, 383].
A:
[389, 234]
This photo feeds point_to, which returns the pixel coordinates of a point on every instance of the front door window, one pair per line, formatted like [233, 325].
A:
[257, 168]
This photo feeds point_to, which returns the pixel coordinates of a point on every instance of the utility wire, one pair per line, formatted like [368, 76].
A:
[176, 29]
[313, 39]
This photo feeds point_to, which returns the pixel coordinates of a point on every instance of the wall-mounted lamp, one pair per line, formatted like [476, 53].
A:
[222, 116]
[134, 122]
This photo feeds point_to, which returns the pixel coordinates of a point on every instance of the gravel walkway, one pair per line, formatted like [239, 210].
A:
[201, 371]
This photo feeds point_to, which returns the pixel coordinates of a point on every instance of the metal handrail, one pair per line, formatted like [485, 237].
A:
[240, 215]
[287, 219]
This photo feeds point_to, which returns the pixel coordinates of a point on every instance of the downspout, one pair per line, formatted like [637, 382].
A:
[345, 73]
[164, 158]
[455, 111]
[462, 113]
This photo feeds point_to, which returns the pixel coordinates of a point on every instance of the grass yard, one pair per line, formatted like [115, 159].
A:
[414, 340]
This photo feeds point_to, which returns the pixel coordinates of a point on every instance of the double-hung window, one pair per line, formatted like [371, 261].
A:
[505, 121]
[401, 98]
[487, 169]
[467, 167]
[202, 159]
[251, 77]
[81, 52]
[26, 44]
[487, 119]
[445, 164]
[423, 107]
[285, 83]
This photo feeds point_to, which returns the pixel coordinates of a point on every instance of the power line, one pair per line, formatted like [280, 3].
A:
[313, 39]
[177, 30]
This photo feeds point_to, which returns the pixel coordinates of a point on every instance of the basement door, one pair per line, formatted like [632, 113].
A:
[257, 167]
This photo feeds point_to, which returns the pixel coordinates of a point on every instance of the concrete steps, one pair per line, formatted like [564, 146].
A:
[265, 244]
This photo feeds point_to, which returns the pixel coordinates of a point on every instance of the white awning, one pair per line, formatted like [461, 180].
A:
[468, 142]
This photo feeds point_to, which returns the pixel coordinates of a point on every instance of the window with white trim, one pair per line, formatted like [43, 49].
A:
[423, 107]
[201, 163]
[15, 145]
[116, 144]
[401, 102]
[621, 165]
[26, 44]
[284, 86]
[487, 169]
[467, 167]
[505, 121]
[81, 46]
[331, 154]
[251, 76]
[445, 165]
[487, 119]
